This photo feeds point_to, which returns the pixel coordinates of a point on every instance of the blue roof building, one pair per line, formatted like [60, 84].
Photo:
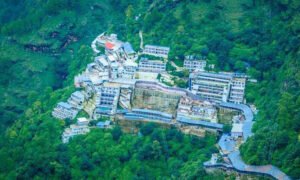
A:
[128, 48]
[64, 110]
[206, 124]
[103, 124]
[147, 114]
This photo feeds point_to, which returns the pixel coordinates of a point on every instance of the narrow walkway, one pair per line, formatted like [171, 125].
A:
[227, 145]
[141, 37]
[94, 44]
[269, 170]
[177, 67]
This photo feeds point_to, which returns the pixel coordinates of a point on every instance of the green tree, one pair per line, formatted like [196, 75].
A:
[116, 133]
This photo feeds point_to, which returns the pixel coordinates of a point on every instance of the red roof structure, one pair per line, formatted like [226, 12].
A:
[109, 45]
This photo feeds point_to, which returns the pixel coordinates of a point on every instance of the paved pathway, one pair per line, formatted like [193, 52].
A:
[141, 37]
[94, 44]
[227, 145]
[177, 67]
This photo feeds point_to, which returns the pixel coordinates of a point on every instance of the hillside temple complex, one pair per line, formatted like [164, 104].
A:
[124, 84]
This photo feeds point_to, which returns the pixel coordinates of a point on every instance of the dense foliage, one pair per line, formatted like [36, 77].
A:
[156, 153]
[40, 44]
[33, 149]
[260, 38]
[45, 43]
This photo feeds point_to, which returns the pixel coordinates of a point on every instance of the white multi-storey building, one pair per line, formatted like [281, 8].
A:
[218, 87]
[114, 69]
[151, 65]
[159, 51]
[211, 86]
[193, 63]
[75, 129]
[76, 99]
[82, 121]
[107, 97]
[102, 62]
[130, 67]
[196, 109]
[237, 89]
[98, 71]
[64, 110]
[125, 70]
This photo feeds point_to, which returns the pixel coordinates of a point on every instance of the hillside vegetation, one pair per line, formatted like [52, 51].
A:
[44, 44]
[260, 38]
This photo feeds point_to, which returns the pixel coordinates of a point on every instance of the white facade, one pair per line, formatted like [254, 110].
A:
[237, 90]
[82, 121]
[130, 67]
[106, 100]
[114, 67]
[102, 61]
[151, 66]
[218, 87]
[159, 51]
[76, 100]
[64, 110]
[192, 63]
[237, 130]
[211, 86]
[198, 110]
[80, 79]
[75, 129]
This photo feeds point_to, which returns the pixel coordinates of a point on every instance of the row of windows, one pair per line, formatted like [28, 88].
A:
[236, 96]
[105, 99]
[199, 79]
[157, 51]
[62, 115]
[211, 91]
[151, 67]
[106, 103]
[152, 64]
[64, 110]
[211, 86]
[235, 91]
[194, 67]
[194, 63]
[210, 96]
[108, 95]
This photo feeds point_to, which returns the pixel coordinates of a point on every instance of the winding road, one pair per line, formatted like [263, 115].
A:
[227, 145]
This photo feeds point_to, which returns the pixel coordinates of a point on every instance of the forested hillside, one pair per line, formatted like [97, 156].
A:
[45, 43]
[260, 38]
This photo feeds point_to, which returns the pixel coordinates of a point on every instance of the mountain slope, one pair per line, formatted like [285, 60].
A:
[43, 45]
